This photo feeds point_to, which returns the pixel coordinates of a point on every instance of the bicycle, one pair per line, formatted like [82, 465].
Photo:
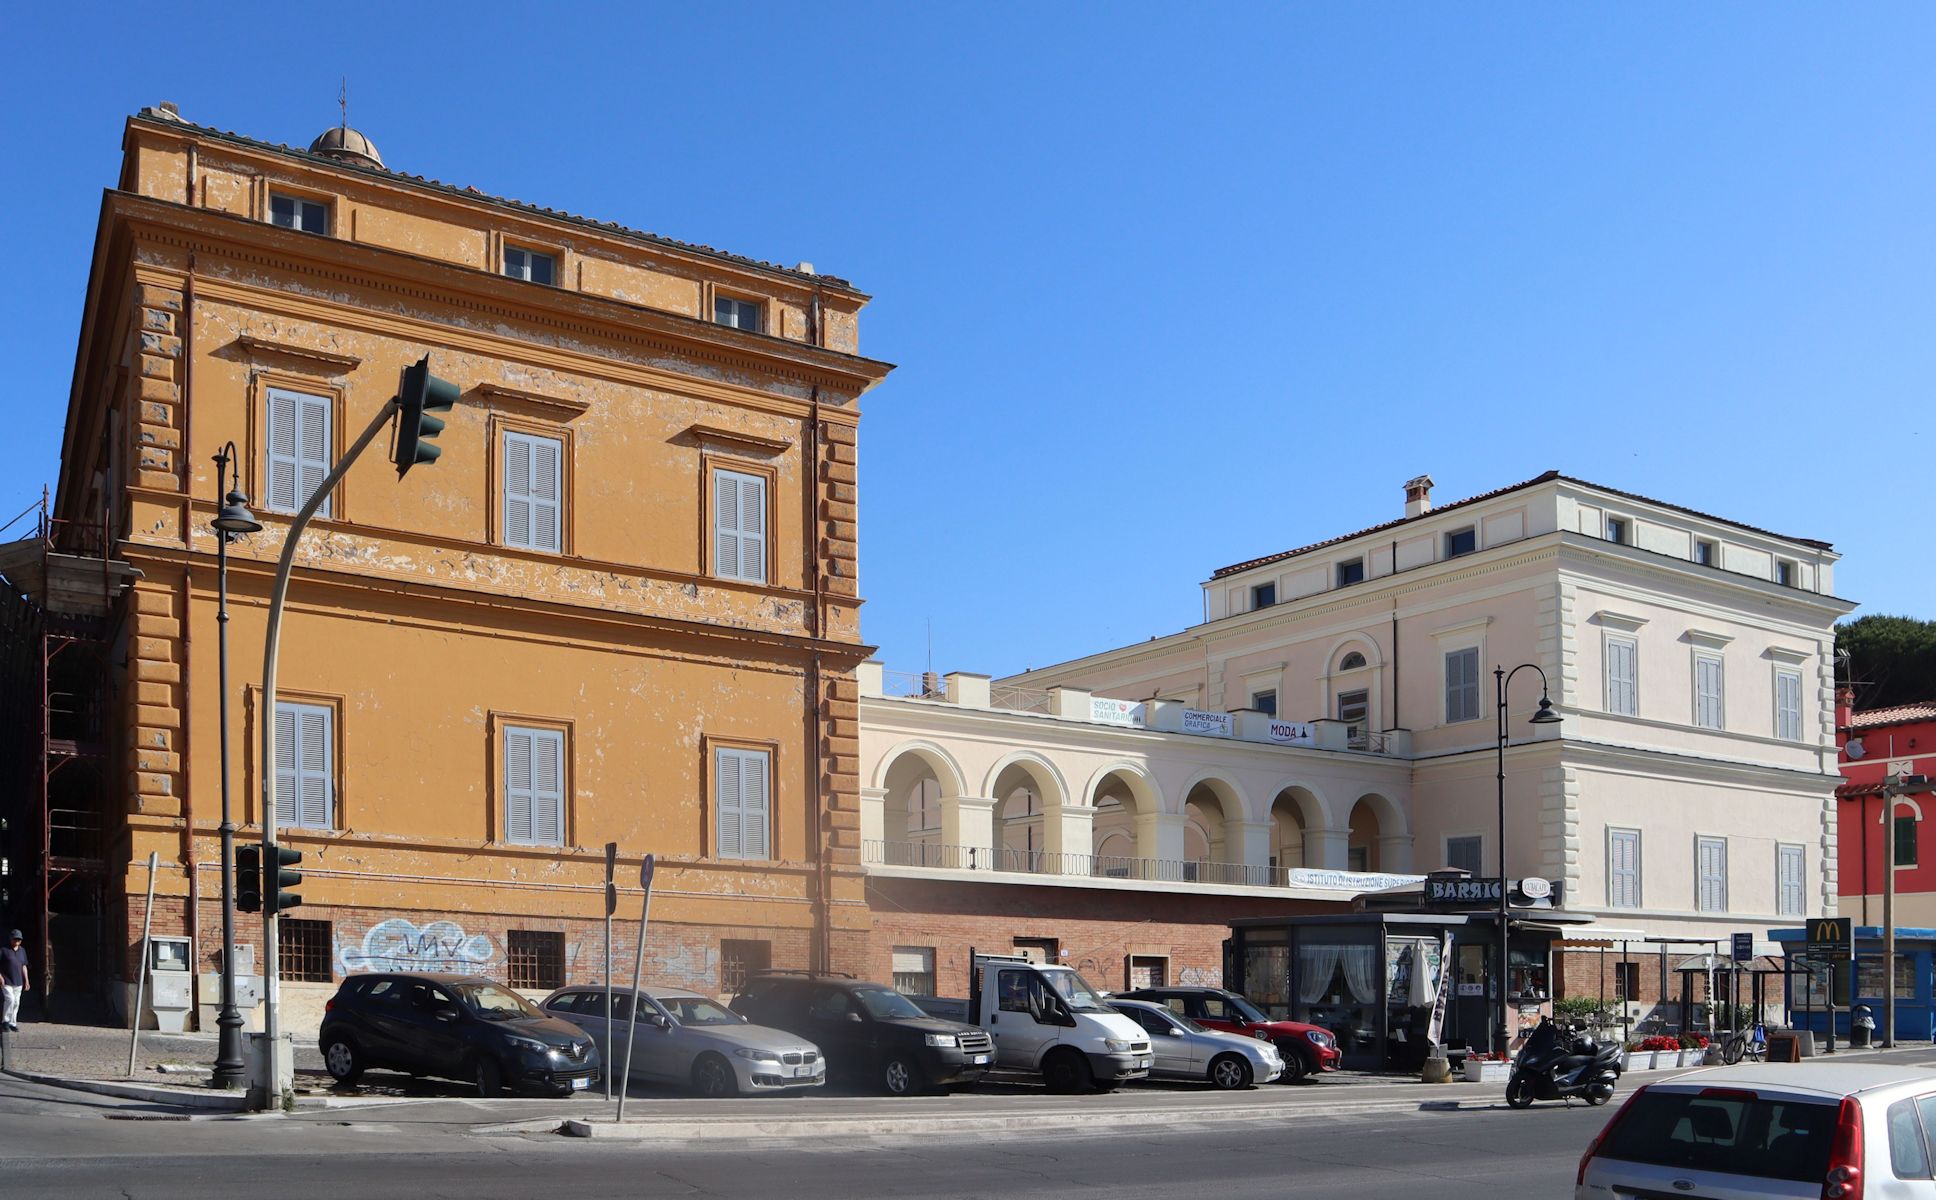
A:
[1745, 1044]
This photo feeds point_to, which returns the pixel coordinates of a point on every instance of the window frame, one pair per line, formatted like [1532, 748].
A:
[1478, 700]
[502, 430]
[1447, 553]
[504, 727]
[1259, 592]
[267, 384]
[739, 301]
[1617, 529]
[1787, 573]
[715, 465]
[324, 205]
[1702, 842]
[1479, 839]
[1720, 662]
[1615, 835]
[1631, 644]
[895, 974]
[331, 709]
[1904, 823]
[297, 967]
[531, 254]
[714, 749]
[1783, 677]
[1798, 852]
[1257, 702]
[537, 951]
[1343, 566]
[1713, 549]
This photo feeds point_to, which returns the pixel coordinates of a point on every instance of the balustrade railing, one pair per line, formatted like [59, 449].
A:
[1044, 862]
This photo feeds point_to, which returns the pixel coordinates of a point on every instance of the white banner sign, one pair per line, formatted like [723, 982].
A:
[1116, 712]
[1353, 881]
[1291, 733]
[1216, 724]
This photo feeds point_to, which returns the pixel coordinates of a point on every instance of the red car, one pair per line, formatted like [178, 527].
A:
[1306, 1049]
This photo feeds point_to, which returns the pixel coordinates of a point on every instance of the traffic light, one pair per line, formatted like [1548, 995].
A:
[248, 879]
[420, 394]
[282, 901]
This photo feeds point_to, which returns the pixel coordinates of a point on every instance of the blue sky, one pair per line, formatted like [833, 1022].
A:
[1169, 286]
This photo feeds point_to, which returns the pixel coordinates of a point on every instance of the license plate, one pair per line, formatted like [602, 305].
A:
[978, 1059]
[579, 1085]
[1143, 1063]
[803, 1072]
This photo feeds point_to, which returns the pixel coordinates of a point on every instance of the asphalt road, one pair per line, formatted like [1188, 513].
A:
[55, 1144]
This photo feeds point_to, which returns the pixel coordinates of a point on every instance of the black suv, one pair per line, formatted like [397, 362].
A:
[869, 1032]
[455, 1027]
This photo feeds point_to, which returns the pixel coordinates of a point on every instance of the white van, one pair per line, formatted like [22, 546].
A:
[1046, 1018]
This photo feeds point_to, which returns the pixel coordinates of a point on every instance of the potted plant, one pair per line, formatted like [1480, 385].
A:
[1693, 1048]
[1638, 1057]
[1481, 1067]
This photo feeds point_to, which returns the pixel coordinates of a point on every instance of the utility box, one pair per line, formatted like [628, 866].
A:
[171, 988]
[259, 1069]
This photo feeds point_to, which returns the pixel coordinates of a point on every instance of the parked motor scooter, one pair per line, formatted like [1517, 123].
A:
[1556, 1064]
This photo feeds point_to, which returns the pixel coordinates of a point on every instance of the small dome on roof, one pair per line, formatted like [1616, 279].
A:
[349, 145]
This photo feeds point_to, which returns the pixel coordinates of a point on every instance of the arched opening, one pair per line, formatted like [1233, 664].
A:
[1289, 812]
[1023, 791]
[1120, 798]
[911, 834]
[1352, 661]
[1209, 851]
[1361, 848]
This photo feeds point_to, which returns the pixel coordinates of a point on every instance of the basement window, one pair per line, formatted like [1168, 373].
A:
[303, 950]
[536, 959]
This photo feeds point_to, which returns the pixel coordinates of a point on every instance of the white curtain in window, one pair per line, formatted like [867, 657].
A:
[1360, 972]
[1315, 967]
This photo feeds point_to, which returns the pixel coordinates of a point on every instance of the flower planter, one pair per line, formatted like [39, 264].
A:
[1487, 1072]
[1690, 1058]
[1640, 1060]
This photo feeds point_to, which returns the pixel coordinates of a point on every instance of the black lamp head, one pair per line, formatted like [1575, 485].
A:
[235, 518]
[1545, 715]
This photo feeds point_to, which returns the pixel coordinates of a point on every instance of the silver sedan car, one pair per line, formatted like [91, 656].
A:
[687, 1039]
[1184, 1049]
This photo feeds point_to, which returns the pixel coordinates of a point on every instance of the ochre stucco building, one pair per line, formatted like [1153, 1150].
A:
[623, 607]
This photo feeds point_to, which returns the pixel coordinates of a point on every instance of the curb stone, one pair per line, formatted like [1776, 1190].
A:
[206, 1098]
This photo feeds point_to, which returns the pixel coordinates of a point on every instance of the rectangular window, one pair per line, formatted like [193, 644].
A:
[1905, 831]
[1706, 553]
[299, 450]
[741, 781]
[1462, 685]
[1461, 541]
[1784, 572]
[1788, 705]
[1623, 868]
[1789, 889]
[1358, 858]
[1711, 868]
[294, 212]
[1263, 595]
[536, 959]
[534, 786]
[1350, 571]
[1617, 530]
[1264, 702]
[740, 960]
[1709, 712]
[533, 492]
[1626, 981]
[740, 314]
[1353, 709]
[303, 949]
[1465, 853]
[739, 526]
[1148, 971]
[530, 265]
[914, 970]
[1623, 676]
[1039, 950]
[305, 766]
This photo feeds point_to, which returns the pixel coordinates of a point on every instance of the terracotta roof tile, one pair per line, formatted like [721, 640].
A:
[147, 116]
[1901, 714]
[1545, 477]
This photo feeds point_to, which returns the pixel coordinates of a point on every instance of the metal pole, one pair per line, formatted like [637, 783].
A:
[230, 1068]
[1503, 1039]
[611, 903]
[1888, 916]
[271, 648]
[141, 972]
[638, 974]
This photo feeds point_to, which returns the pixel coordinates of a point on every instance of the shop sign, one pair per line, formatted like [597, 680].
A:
[1348, 881]
[1213, 724]
[1105, 711]
[1291, 733]
[1461, 891]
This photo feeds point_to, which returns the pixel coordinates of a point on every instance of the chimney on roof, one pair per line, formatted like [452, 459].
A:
[167, 111]
[1418, 496]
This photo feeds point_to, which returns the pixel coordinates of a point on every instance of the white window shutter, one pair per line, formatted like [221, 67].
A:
[1622, 663]
[726, 792]
[313, 448]
[548, 787]
[517, 490]
[752, 528]
[518, 792]
[753, 842]
[547, 487]
[1788, 705]
[314, 767]
[725, 524]
[282, 457]
[287, 805]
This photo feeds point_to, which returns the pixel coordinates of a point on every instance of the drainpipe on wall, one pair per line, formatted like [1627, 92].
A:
[193, 917]
[821, 954]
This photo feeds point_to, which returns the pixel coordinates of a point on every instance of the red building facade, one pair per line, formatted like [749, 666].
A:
[1875, 745]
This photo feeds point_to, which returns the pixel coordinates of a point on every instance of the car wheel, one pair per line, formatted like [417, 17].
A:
[1068, 1071]
[344, 1063]
[1519, 1092]
[713, 1076]
[1294, 1065]
[488, 1076]
[899, 1077]
[1230, 1072]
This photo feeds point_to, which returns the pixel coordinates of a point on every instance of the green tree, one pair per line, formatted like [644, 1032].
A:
[1891, 660]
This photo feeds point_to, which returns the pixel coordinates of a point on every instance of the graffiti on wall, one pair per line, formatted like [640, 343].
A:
[399, 944]
[1199, 977]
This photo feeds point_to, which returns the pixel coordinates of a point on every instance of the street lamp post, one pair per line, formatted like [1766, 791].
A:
[232, 520]
[1893, 790]
[1502, 1037]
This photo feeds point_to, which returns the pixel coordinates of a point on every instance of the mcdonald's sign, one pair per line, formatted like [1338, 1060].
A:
[1830, 937]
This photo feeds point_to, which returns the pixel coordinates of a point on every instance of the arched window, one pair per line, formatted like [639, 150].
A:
[1351, 661]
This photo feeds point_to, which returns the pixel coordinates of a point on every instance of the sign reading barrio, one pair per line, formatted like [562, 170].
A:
[1215, 724]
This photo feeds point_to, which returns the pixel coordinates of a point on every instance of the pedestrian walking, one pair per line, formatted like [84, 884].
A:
[13, 981]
